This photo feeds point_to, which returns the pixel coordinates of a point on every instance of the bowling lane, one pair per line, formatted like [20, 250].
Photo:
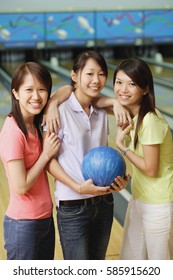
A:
[159, 72]
[57, 80]
[5, 103]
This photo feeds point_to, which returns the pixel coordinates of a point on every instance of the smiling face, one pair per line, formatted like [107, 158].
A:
[32, 96]
[127, 92]
[89, 81]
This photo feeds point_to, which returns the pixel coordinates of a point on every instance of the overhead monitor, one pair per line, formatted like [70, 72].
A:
[70, 28]
[159, 26]
[21, 30]
[119, 27]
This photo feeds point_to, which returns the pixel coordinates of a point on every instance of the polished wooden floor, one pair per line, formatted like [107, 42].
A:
[116, 234]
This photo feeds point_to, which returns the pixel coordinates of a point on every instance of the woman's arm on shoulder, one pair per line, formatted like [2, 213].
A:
[51, 115]
[122, 115]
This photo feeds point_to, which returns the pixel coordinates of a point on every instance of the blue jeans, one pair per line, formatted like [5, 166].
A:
[29, 239]
[85, 230]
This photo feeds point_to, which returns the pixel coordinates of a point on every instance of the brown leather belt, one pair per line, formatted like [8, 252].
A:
[82, 202]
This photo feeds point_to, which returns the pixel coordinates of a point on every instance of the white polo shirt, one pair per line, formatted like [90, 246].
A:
[79, 134]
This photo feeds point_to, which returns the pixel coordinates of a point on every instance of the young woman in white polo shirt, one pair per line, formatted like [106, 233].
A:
[84, 211]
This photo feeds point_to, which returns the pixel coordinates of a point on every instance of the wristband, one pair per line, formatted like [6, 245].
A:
[123, 152]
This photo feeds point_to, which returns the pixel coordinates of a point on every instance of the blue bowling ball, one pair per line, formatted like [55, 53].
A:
[103, 164]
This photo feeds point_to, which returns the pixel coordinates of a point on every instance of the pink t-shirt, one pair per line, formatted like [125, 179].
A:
[37, 202]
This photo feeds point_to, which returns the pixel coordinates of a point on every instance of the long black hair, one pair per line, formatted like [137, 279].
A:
[140, 73]
[40, 73]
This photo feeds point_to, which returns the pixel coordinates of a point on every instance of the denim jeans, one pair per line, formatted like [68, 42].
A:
[29, 239]
[85, 230]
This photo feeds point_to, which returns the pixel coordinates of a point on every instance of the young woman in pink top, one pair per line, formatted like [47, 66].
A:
[28, 224]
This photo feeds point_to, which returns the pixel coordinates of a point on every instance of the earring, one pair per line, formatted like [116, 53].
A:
[75, 86]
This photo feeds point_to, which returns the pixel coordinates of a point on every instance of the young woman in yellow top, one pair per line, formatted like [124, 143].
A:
[148, 226]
